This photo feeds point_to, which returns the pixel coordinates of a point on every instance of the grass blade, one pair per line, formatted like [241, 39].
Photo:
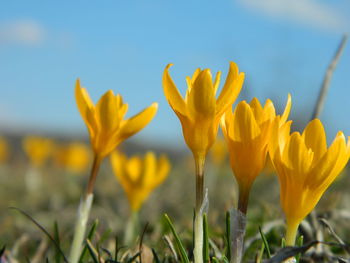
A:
[155, 256]
[138, 254]
[116, 249]
[300, 242]
[227, 235]
[92, 250]
[43, 230]
[89, 237]
[56, 236]
[267, 247]
[205, 239]
[183, 254]
[288, 252]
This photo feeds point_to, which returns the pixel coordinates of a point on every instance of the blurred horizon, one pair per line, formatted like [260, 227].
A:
[282, 46]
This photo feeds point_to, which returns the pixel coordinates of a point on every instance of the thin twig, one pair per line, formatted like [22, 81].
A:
[316, 114]
[327, 78]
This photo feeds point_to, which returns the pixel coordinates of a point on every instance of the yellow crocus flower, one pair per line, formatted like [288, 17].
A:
[200, 111]
[105, 120]
[247, 131]
[306, 168]
[107, 129]
[38, 149]
[74, 157]
[139, 176]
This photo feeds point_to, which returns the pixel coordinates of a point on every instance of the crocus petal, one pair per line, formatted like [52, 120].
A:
[297, 156]
[201, 98]
[107, 111]
[257, 109]
[331, 164]
[137, 122]
[86, 107]
[231, 89]
[244, 127]
[286, 110]
[162, 169]
[117, 160]
[269, 112]
[133, 169]
[149, 169]
[172, 94]
[217, 81]
[315, 138]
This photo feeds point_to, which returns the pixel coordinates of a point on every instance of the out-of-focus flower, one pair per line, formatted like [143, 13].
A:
[247, 131]
[306, 168]
[218, 152]
[38, 149]
[4, 150]
[200, 111]
[139, 176]
[74, 157]
[105, 121]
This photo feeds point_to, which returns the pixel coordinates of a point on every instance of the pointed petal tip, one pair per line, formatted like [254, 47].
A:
[233, 65]
[77, 83]
[168, 66]
[155, 105]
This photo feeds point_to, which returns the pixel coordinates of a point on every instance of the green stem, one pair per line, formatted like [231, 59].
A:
[243, 199]
[83, 213]
[132, 228]
[94, 171]
[198, 221]
[80, 228]
[239, 223]
[292, 230]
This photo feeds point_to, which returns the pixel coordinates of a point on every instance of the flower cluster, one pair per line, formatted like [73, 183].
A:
[254, 133]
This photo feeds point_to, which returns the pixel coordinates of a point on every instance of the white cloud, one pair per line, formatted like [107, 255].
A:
[307, 12]
[22, 32]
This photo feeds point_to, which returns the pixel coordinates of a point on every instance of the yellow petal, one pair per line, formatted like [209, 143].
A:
[315, 138]
[117, 161]
[195, 74]
[201, 98]
[133, 169]
[269, 112]
[244, 126]
[297, 156]
[217, 81]
[162, 169]
[231, 89]
[150, 164]
[86, 107]
[331, 164]
[137, 122]
[286, 110]
[172, 94]
[107, 112]
[257, 109]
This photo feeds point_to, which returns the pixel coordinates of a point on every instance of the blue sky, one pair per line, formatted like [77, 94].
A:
[283, 46]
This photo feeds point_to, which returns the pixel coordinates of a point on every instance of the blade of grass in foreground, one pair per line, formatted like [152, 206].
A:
[205, 239]
[266, 244]
[227, 235]
[43, 230]
[180, 247]
[89, 237]
[57, 239]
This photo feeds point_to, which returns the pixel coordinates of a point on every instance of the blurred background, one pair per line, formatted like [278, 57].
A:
[283, 46]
